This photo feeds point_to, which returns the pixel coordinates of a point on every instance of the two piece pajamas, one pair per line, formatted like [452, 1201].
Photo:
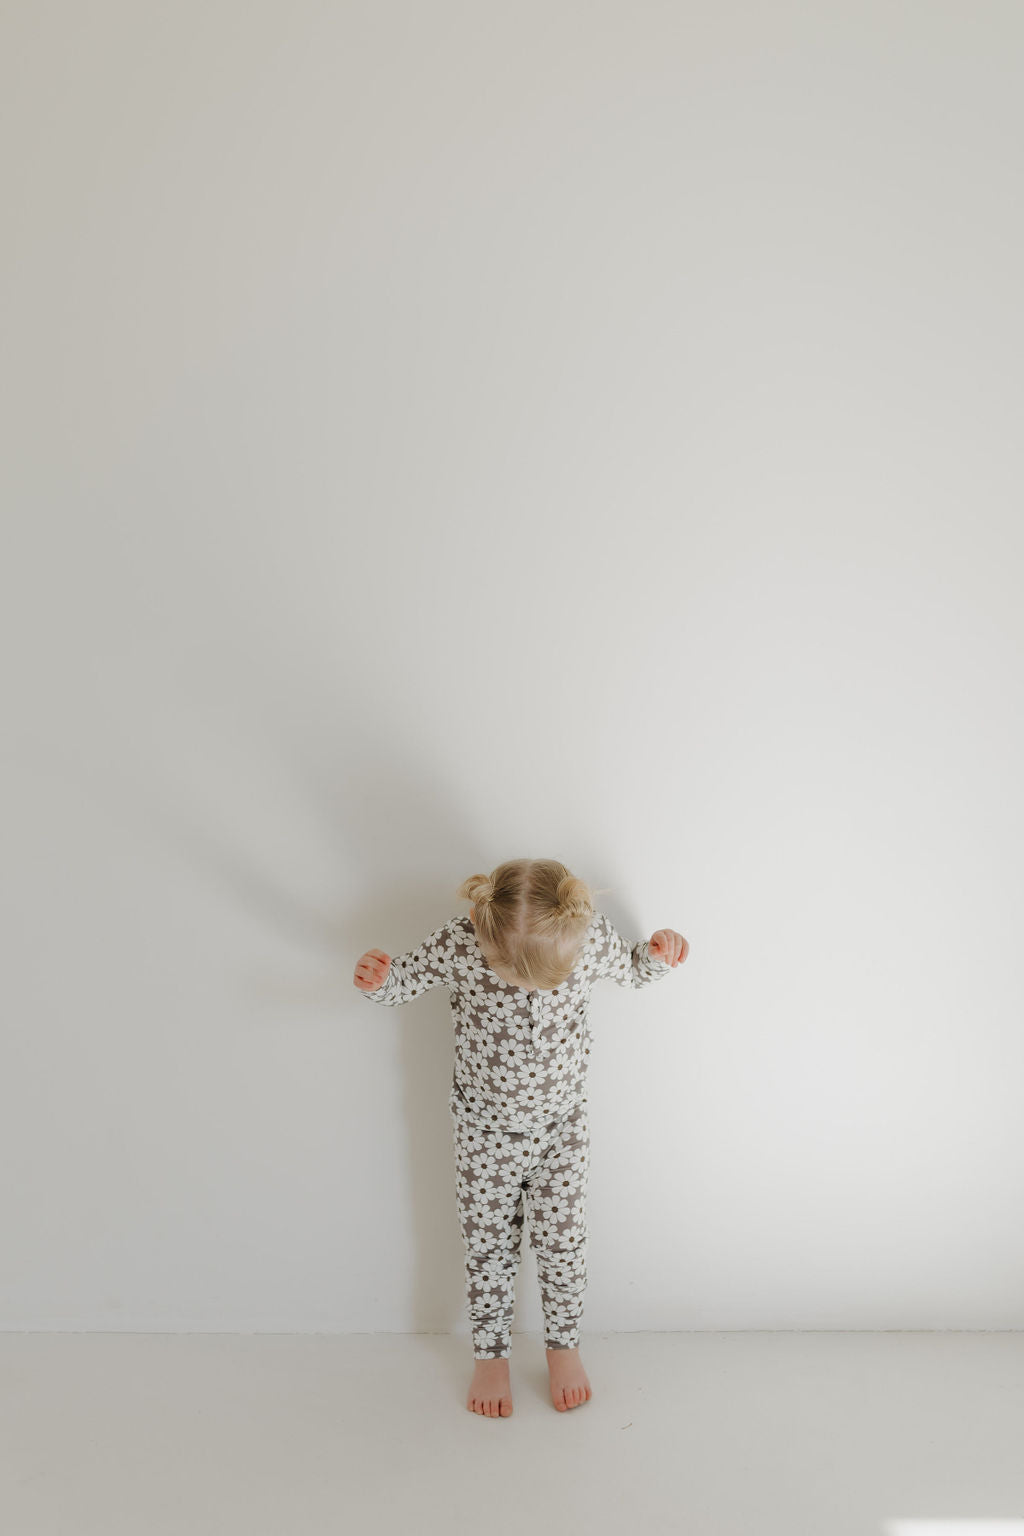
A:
[520, 1127]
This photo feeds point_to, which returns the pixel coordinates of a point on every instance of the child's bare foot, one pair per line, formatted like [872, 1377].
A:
[490, 1392]
[570, 1385]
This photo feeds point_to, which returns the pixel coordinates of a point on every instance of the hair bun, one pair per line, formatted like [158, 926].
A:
[479, 889]
[574, 898]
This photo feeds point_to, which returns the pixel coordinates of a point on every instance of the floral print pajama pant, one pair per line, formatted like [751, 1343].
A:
[498, 1173]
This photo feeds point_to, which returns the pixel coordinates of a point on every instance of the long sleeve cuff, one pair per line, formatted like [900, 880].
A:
[386, 992]
[647, 965]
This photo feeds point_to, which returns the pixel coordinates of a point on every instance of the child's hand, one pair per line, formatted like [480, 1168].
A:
[371, 970]
[668, 945]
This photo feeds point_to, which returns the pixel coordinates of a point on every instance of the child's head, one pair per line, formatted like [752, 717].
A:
[530, 916]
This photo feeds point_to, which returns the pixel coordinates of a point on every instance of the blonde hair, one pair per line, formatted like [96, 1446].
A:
[531, 916]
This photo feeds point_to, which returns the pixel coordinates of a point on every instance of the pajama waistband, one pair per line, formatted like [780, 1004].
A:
[490, 1116]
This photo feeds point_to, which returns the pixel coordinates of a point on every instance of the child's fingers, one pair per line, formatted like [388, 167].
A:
[374, 959]
[669, 946]
[371, 969]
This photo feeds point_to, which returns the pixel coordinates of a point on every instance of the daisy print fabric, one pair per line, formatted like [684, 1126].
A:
[521, 1057]
[519, 1117]
[501, 1177]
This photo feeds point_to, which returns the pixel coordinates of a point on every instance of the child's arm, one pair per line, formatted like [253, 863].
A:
[639, 965]
[387, 981]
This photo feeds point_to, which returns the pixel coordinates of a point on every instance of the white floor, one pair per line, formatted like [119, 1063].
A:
[715, 1434]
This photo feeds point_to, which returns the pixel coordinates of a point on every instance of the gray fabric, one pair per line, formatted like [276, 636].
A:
[501, 1177]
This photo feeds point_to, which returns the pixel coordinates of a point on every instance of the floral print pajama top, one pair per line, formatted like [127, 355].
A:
[521, 1057]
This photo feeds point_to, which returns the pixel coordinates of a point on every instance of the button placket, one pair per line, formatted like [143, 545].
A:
[536, 1020]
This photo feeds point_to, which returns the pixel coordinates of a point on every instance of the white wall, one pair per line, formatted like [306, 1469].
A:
[444, 433]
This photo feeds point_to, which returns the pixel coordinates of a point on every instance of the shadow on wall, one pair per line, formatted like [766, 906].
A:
[398, 837]
[400, 833]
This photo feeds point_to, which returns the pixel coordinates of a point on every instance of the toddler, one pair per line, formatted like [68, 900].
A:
[519, 970]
